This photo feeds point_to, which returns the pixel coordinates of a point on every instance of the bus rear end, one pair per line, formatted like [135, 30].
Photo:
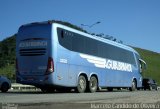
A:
[34, 59]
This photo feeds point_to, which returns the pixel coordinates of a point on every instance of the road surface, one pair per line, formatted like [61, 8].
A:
[39, 100]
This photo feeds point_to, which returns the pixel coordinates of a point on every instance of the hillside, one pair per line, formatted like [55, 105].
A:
[7, 60]
[153, 63]
[7, 57]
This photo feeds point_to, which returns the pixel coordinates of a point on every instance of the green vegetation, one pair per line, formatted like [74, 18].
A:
[153, 63]
[7, 57]
[7, 51]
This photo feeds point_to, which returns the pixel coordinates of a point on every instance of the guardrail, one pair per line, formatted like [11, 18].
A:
[21, 87]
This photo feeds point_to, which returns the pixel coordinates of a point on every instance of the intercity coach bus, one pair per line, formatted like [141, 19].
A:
[51, 55]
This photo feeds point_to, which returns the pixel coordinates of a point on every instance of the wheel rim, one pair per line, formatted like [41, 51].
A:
[133, 85]
[93, 84]
[81, 84]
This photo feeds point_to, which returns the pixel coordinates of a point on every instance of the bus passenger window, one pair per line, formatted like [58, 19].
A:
[62, 34]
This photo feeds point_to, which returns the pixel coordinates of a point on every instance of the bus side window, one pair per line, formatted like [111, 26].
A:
[62, 34]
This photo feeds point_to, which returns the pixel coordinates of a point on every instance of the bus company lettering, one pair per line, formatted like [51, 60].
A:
[115, 65]
[33, 44]
[108, 63]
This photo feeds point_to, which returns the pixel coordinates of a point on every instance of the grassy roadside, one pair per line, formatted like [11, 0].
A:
[153, 63]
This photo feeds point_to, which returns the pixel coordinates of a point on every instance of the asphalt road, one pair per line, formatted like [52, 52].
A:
[38, 100]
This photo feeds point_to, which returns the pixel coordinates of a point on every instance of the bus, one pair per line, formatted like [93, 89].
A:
[51, 55]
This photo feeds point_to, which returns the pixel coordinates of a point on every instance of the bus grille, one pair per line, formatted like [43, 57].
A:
[32, 52]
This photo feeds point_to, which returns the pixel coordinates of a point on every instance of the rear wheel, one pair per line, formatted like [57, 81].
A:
[4, 87]
[93, 84]
[81, 87]
[134, 86]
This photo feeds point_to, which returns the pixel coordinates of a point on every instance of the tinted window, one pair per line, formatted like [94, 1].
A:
[64, 39]
[78, 43]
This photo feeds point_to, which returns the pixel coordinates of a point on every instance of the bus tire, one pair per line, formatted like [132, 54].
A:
[134, 86]
[93, 84]
[82, 83]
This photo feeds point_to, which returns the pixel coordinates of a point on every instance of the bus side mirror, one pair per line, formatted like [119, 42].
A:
[143, 64]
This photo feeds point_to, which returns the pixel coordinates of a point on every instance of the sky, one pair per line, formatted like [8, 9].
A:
[135, 22]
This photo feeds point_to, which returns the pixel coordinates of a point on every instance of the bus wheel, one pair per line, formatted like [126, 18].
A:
[93, 84]
[81, 87]
[134, 86]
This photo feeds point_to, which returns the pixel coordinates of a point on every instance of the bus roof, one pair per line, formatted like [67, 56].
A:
[76, 29]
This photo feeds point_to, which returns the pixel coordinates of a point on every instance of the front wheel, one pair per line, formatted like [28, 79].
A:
[93, 84]
[134, 86]
[81, 87]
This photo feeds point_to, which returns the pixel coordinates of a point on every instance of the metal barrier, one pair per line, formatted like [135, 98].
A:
[21, 87]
